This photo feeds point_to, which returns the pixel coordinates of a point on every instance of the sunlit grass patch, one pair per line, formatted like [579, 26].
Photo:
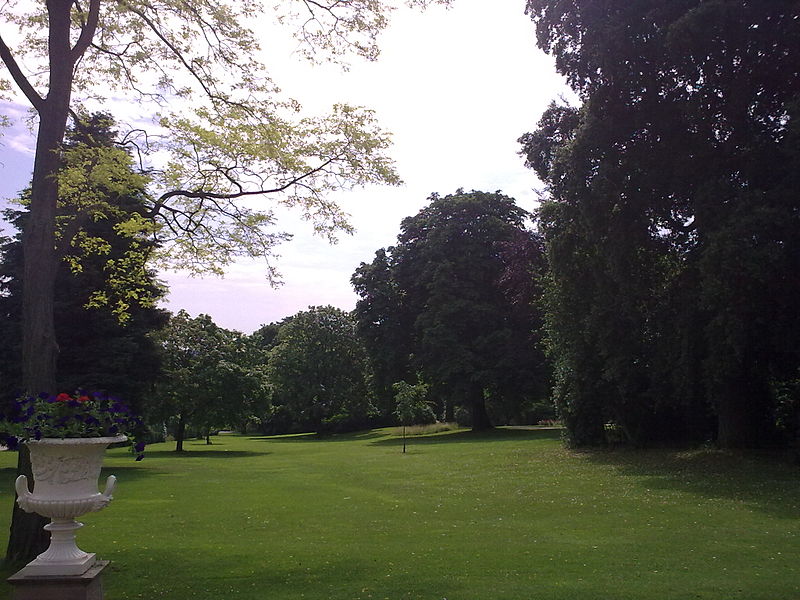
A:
[415, 430]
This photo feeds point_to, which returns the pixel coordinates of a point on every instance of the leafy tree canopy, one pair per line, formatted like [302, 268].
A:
[106, 293]
[671, 223]
[221, 130]
[317, 371]
[208, 378]
[455, 300]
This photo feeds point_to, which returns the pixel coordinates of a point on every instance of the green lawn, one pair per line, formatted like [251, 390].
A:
[509, 514]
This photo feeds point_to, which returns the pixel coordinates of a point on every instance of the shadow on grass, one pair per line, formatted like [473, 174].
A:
[466, 437]
[763, 481]
[171, 454]
[125, 474]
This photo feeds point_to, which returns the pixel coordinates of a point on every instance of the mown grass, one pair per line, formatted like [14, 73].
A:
[504, 515]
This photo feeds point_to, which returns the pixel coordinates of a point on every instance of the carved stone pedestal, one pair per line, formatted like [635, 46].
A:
[88, 586]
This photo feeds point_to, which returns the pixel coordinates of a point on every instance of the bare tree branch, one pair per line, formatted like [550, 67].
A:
[242, 193]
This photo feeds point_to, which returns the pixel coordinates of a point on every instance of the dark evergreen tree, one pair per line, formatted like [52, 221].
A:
[102, 326]
[385, 328]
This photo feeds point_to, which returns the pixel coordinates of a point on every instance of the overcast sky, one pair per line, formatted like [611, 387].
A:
[456, 88]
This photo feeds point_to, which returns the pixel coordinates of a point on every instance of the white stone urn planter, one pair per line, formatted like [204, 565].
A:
[65, 474]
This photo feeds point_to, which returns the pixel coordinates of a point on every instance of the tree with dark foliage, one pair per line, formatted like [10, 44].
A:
[672, 216]
[455, 301]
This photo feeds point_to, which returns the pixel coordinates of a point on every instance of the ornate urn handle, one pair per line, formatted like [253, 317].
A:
[24, 495]
[106, 496]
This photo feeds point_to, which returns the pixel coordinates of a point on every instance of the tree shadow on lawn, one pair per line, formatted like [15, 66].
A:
[760, 480]
[167, 454]
[125, 474]
[468, 437]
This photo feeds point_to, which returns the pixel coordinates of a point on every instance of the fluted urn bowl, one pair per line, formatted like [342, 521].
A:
[65, 474]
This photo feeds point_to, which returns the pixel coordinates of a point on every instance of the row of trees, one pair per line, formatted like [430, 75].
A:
[305, 373]
[450, 310]
[667, 306]
[670, 218]
[452, 304]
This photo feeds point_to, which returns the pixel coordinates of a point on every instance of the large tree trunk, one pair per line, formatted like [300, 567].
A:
[180, 433]
[744, 415]
[480, 418]
[39, 347]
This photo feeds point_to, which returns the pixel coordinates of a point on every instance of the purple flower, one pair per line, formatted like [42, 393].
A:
[119, 407]
[10, 442]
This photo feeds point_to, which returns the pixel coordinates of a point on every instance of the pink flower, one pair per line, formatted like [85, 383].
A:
[62, 397]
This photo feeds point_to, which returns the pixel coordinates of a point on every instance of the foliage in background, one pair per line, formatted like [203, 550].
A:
[317, 374]
[455, 300]
[671, 216]
[209, 379]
